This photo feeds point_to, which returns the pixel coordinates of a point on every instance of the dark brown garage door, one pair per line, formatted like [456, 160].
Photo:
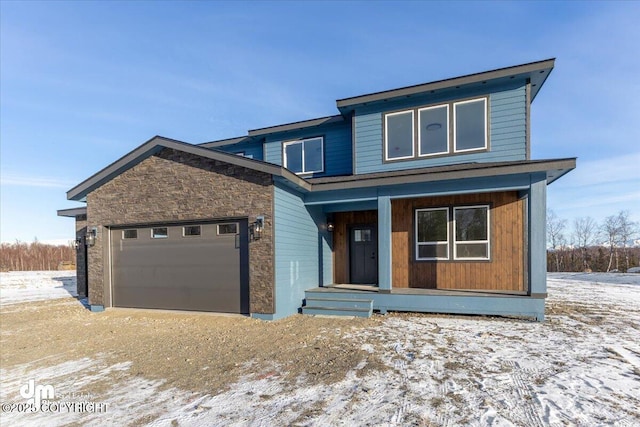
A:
[201, 267]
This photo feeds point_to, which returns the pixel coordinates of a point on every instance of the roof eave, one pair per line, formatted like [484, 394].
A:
[544, 67]
[559, 166]
[156, 144]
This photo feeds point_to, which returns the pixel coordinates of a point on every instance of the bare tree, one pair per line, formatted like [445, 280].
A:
[628, 230]
[584, 233]
[555, 235]
[610, 230]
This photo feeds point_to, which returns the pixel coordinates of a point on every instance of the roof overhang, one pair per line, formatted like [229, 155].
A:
[158, 143]
[535, 72]
[553, 169]
[72, 212]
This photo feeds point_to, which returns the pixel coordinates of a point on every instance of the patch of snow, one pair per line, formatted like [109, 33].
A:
[23, 286]
[579, 367]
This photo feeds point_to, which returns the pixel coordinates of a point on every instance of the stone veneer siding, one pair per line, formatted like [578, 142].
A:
[81, 260]
[175, 186]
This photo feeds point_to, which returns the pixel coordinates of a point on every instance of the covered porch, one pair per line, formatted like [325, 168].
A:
[390, 271]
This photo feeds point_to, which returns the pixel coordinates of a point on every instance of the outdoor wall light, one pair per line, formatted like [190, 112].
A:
[255, 229]
[330, 226]
[90, 237]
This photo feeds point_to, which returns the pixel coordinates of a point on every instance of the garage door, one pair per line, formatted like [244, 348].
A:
[201, 267]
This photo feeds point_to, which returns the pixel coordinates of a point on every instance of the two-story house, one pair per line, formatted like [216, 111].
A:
[422, 198]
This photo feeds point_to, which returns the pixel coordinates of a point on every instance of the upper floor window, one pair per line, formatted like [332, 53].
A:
[304, 156]
[470, 130]
[430, 131]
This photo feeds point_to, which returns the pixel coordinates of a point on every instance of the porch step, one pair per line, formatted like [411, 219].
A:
[338, 306]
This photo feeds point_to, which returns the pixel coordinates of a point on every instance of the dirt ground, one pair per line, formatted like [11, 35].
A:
[197, 352]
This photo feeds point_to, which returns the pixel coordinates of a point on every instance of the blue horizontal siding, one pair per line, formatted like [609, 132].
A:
[507, 132]
[253, 148]
[299, 250]
[337, 147]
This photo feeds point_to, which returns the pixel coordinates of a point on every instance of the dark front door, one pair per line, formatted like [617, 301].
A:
[363, 254]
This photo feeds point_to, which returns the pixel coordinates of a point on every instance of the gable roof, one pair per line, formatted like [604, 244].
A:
[554, 169]
[155, 145]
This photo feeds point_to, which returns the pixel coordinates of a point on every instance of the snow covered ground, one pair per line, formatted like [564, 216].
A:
[580, 367]
[22, 286]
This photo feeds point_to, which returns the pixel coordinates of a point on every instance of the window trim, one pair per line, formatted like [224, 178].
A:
[486, 126]
[451, 130]
[487, 241]
[153, 236]
[448, 126]
[302, 141]
[435, 243]
[413, 136]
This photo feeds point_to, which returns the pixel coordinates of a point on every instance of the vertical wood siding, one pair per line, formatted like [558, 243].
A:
[342, 222]
[507, 135]
[505, 270]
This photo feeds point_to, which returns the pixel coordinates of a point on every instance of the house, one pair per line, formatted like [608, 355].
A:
[422, 198]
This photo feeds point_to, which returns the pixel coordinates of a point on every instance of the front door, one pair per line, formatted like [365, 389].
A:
[363, 254]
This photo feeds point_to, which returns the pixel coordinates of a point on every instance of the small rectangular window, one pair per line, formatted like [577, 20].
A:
[362, 235]
[432, 234]
[304, 156]
[399, 135]
[191, 230]
[470, 125]
[433, 130]
[159, 233]
[471, 232]
[129, 234]
[227, 228]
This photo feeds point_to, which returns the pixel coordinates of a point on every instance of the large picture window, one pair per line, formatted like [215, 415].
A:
[399, 135]
[304, 156]
[432, 133]
[432, 234]
[462, 230]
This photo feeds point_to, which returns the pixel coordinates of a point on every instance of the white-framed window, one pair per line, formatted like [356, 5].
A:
[432, 234]
[398, 135]
[470, 125]
[471, 232]
[159, 233]
[433, 130]
[304, 156]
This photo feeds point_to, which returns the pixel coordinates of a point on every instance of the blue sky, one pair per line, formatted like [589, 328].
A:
[83, 83]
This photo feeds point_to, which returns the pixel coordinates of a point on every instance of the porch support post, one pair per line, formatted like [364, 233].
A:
[384, 243]
[538, 235]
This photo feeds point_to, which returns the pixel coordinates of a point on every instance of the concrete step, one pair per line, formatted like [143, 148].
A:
[338, 306]
[329, 311]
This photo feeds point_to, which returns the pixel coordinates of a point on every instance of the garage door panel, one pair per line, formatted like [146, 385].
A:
[181, 272]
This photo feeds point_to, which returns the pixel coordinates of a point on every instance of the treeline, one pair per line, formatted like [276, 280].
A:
[36, 256]
[592, 246]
